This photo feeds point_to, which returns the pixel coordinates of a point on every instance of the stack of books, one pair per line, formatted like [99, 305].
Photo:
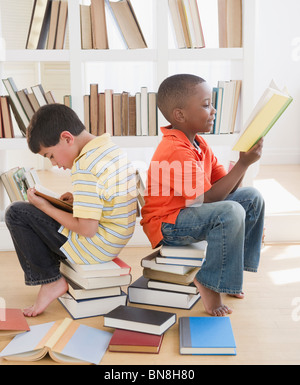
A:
[168, 277]
[48, 25]
[95, 289]
[138, 330]
[120, 114]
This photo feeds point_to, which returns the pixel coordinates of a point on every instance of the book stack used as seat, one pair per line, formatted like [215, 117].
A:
[168, 277]
[138, 330]
[95, 289]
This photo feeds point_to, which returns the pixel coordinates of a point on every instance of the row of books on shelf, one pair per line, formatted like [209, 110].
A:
[48, 25]
[120, 114]
[24, 103]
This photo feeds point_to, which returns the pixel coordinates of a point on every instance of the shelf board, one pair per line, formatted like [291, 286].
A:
[111, 55]
[210, 54]
[38, 55]
[13, 144]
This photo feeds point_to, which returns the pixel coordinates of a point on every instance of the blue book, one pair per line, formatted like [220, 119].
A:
[206, 336]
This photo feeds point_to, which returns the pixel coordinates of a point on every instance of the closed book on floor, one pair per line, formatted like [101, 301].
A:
[94, 282]
[12, 322]
[134, 342]
[66, 341]
[139, 292]
[91, 307]
[140, 320]
[193, 262]
[206, 336]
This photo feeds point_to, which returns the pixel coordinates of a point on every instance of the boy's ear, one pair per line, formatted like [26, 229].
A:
[67, 136]
[178, 115]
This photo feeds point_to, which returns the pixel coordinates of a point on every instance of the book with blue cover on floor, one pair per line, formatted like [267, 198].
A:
[206, 336]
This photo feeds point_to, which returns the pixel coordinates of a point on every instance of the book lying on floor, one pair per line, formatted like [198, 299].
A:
[12, 322]
[53, 198]
[265, 114]
[139, 292]
[206, 336]
[66, 341]
[134, 342]
[140, 320]
[191, 262]
[91, 307]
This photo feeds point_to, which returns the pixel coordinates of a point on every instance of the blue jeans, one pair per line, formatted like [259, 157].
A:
[233, 230]
[37, 242]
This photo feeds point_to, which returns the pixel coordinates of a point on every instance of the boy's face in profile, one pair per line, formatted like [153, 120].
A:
[198, 111]
[63, 153]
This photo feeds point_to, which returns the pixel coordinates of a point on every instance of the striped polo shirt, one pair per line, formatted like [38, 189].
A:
[104, 188]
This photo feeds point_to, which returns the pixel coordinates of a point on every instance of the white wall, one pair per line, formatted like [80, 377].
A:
[278, 57]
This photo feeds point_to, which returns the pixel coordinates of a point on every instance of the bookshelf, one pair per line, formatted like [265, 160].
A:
[160, 56]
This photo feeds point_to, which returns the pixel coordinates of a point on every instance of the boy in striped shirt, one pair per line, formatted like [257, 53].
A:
[104, 204]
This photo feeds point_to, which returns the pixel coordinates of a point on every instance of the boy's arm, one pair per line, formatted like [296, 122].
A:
[84, 227]
[224, 186]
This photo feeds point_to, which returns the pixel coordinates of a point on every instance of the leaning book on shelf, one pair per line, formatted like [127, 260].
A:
[265, 114]
[66, 341]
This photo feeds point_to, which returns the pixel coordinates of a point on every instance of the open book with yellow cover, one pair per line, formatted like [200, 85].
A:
[268, 110]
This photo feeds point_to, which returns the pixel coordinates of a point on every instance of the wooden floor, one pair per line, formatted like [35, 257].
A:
[266, 323]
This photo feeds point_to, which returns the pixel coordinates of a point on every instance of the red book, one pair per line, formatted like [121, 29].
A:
[134, 342]
[12, 322]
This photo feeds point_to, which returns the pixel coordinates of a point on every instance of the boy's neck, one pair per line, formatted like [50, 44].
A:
[189, 135]
[84, 138]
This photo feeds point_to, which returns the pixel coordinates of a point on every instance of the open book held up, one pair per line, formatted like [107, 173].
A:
[268, 110]
[53, 198]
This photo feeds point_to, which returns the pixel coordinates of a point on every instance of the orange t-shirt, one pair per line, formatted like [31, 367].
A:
[178, 174]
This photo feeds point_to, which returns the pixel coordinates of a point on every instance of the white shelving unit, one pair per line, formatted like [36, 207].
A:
[160, 56]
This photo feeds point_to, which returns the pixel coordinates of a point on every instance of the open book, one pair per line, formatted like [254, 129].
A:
[268, 110]
[66, 341]
[53, 198]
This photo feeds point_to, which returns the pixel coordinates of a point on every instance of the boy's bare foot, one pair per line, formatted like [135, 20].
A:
[212, 301]
[47, 294]
[241, 295]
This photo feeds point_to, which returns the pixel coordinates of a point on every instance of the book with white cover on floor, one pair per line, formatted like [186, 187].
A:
[66, 341]
[194, 250]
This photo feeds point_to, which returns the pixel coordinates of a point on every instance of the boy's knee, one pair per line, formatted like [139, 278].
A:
[12, 212]
[234, 212]
[256, 197]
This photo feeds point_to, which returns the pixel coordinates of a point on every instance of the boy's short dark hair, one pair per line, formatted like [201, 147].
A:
[48, 123]
[174, 91]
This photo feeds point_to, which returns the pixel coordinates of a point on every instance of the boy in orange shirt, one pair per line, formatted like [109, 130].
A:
[190, 197]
